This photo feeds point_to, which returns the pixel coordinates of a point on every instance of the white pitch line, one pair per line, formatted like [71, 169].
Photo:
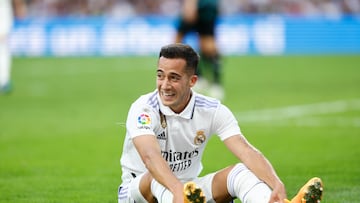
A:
[332, 121]
[298, 111]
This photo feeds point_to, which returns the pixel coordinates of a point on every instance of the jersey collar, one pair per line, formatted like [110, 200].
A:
[187, 113]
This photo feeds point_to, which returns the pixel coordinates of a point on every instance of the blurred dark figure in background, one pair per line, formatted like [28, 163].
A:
[200, 16]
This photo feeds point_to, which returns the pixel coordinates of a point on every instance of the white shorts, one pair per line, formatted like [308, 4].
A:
[129, 192]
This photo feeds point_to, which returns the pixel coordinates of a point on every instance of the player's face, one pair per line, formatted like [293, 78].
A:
[174, 84]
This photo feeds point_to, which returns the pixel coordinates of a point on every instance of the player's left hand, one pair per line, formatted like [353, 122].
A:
[278, 194]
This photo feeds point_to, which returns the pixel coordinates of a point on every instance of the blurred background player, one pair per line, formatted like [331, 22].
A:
[200, 16]
[8, 9]
[6, 16]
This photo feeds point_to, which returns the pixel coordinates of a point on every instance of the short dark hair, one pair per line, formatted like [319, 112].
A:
[183, 51]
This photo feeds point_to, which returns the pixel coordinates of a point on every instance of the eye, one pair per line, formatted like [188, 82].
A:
[174, 78]
[160, 75]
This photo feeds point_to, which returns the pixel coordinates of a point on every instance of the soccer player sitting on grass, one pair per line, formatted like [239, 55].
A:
[167, 131]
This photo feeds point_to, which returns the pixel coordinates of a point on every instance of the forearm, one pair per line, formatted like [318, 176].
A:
[253, 159]
[150, 153]
[161, 172]
[261, 167]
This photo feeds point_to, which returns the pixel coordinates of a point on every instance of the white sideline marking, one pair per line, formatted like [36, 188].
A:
[297, 111]
[336, 121]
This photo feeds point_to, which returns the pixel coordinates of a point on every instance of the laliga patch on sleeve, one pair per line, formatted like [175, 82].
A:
[144, 121]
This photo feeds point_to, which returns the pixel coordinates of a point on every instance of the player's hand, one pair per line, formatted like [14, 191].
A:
[189, 11]
[278, 194]
[178, 197]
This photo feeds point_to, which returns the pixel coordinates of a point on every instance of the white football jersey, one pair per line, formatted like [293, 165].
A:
[182, 137]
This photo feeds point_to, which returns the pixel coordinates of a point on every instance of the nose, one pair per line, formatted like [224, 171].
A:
[166, 83]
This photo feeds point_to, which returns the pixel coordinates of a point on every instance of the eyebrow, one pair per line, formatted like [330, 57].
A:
[172, 73]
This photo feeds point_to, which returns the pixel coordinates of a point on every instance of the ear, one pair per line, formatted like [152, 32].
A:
[193, 80]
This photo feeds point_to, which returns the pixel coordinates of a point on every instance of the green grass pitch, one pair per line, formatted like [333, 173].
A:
[61, 129]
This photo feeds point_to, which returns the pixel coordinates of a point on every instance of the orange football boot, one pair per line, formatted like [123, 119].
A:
[311, 192]
[193, 194]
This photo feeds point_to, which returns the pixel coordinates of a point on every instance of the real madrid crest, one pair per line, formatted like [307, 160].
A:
[200, 137]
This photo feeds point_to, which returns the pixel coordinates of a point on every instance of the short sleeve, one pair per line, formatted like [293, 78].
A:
[225, 124]
[141, 120]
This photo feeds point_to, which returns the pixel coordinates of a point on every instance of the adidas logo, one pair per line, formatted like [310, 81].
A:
[161, 136]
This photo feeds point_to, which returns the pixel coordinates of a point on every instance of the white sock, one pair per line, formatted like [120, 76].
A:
[4, 64]
[243, 184]
[134, 189]
[162, 194]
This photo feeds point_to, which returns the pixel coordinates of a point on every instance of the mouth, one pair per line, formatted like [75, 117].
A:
[167, 95]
